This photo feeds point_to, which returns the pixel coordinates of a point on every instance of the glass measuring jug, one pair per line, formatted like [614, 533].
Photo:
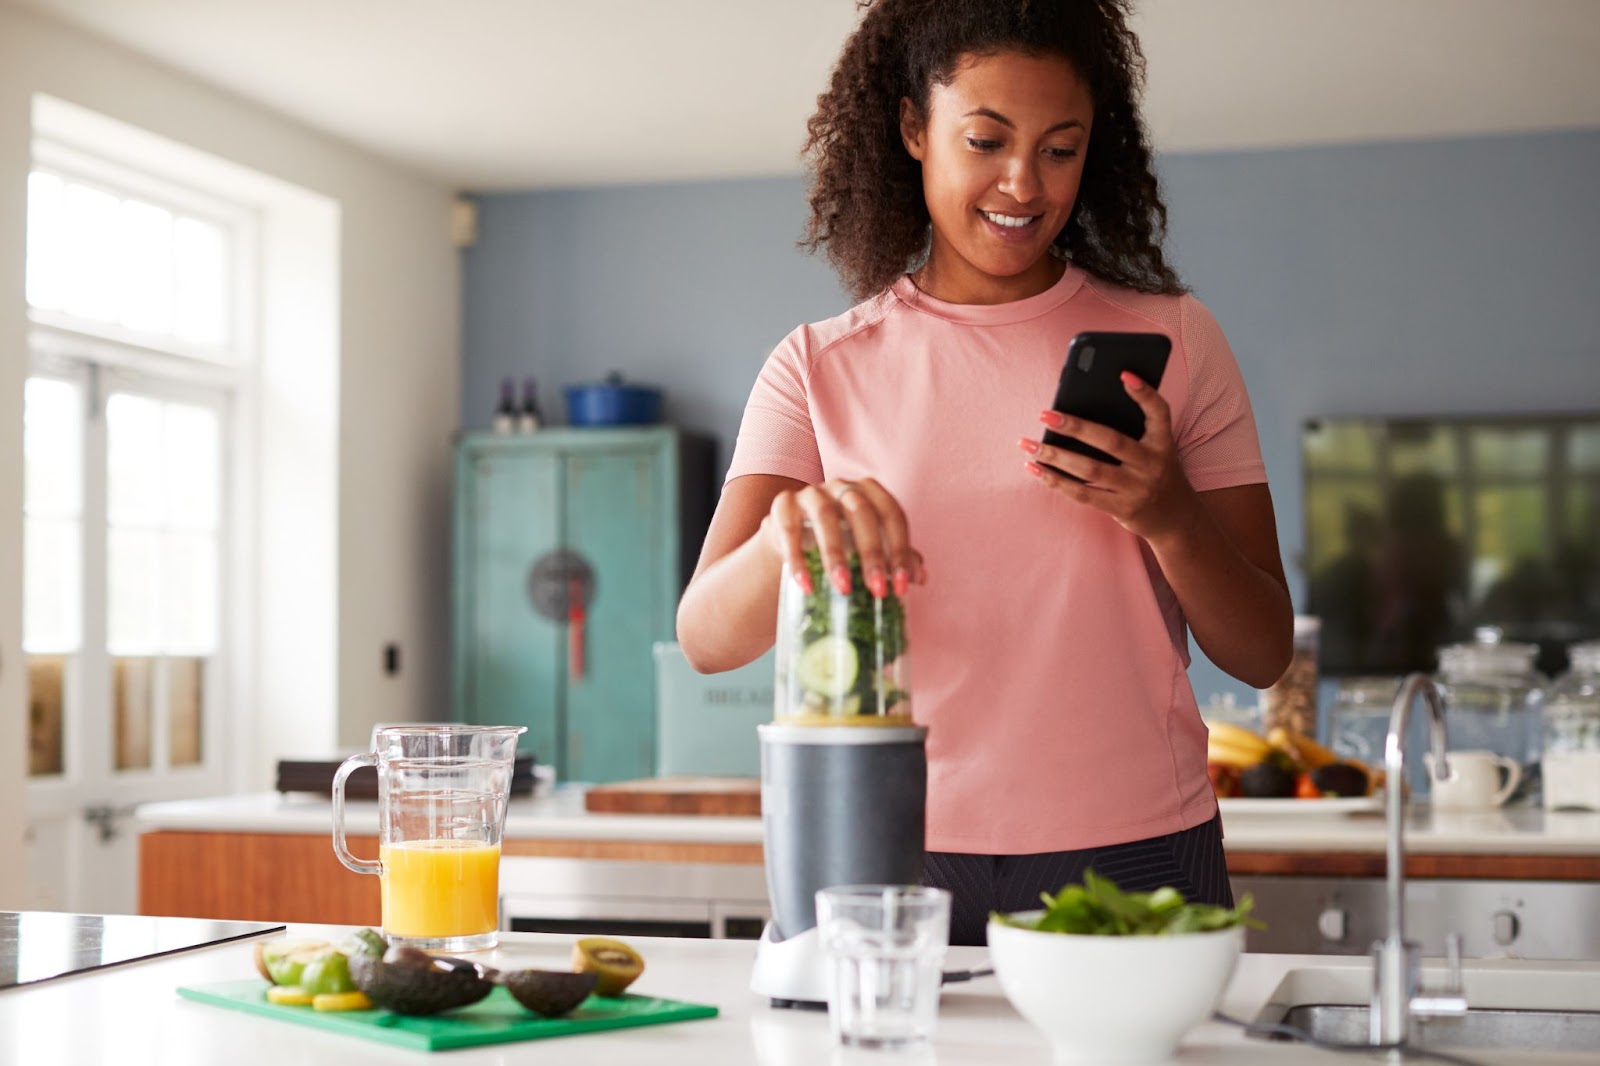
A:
[442, 795]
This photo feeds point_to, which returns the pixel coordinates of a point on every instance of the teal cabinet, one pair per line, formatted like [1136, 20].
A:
[570, 554]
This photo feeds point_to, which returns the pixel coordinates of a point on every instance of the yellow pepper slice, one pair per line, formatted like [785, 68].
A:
[341, 1001]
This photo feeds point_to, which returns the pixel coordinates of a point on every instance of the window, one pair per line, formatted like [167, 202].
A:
[139, 370]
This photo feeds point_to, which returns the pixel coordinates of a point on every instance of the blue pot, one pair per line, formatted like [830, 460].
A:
[612, 403]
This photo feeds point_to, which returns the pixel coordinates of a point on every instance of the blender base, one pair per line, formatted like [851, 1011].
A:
[791, 973]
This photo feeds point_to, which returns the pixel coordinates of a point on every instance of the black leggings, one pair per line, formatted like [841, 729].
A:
[1191, 861]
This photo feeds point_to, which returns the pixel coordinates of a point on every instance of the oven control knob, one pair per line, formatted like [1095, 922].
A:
[1331, 923]
[1506, 927]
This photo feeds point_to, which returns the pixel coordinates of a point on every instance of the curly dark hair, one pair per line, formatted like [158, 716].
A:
[867, 207]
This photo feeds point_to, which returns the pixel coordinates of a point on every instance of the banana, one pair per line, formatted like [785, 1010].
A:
[1306, 753]
[1237, 736]
[1220, 751]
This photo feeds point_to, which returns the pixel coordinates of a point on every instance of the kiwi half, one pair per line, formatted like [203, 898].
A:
[614, 964]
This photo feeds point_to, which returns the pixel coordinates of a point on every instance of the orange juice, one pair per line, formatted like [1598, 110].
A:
[440, 888]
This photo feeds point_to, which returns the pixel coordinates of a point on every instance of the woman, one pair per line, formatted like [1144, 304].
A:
[983, 184]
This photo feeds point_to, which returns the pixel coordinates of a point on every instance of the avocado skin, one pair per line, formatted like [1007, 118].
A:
[1266, 780]
[549, 993]
[406, 984]
[1340, 778]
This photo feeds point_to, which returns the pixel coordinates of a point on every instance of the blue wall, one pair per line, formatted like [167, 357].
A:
[1440, 277]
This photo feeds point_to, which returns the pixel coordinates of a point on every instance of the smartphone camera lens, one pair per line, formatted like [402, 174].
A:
[1086, 358]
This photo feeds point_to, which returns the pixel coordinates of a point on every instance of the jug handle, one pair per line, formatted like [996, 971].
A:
[1513, 771]
[340, 848]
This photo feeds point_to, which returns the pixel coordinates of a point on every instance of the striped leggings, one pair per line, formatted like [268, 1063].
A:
[1191, 861]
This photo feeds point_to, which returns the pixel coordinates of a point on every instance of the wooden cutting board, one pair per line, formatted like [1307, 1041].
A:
[739, 796]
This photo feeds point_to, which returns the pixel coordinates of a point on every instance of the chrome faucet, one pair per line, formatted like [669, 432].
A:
[1397, 992]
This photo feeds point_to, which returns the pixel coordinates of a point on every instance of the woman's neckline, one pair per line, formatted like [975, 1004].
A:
[1033, 306]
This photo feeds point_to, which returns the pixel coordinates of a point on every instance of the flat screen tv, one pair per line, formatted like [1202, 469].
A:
[1418, 531]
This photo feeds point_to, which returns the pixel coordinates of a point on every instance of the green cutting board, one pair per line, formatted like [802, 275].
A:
[496, 1019]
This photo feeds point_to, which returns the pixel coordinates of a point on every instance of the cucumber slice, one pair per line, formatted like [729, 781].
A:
[828, 666]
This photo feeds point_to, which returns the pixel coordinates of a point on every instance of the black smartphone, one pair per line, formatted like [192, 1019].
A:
[1091, 385]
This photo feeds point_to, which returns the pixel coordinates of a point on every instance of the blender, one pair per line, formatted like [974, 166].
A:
[843, 768]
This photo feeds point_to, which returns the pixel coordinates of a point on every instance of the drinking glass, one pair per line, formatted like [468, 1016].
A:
[885, 947]
[442, 795]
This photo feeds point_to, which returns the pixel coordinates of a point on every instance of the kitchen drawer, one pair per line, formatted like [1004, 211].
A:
[602, 896]
[1343, 916]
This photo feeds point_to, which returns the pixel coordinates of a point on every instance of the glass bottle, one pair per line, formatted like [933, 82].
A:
[841, 658]
[528, 416]
[505, 413]
[1494, 697]
[1571, 761]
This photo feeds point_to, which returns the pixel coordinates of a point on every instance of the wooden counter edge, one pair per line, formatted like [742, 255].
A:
[1424, 865]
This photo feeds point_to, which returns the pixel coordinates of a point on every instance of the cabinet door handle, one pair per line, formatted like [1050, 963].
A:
[575, 626]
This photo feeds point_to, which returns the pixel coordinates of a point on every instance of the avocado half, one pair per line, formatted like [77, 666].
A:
[408, 981]
[549, 993]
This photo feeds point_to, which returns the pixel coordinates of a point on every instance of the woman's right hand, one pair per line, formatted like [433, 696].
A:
[877, 524]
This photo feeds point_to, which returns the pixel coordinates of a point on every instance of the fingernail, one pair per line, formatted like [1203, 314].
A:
[1035, 469]
[1052, 418]
[1029, 446]
[877, 584]
[841, 579]
[902, 582]
[803, 578]
[1132, 380]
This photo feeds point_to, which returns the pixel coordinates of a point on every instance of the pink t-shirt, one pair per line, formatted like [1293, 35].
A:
[1048, 653]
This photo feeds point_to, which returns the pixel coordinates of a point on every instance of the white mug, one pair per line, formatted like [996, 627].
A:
[1476, 779]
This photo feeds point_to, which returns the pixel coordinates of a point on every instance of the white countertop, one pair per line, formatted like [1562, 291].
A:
[129, 1015]
[561, 816]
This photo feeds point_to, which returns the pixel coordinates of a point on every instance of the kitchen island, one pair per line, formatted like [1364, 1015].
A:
[265, 856]
[131, 1015]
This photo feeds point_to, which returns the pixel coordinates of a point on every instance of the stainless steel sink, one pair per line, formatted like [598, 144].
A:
[1485, 1028]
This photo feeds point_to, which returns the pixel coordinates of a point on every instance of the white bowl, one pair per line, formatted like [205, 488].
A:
[1113, 999]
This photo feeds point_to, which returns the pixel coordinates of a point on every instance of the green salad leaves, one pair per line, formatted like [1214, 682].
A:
[1099, 908]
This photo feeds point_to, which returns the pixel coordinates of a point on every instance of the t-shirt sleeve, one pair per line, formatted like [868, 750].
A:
[776, 435]
[1217, 443]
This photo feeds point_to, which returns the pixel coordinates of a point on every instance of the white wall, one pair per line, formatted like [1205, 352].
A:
[398, 379]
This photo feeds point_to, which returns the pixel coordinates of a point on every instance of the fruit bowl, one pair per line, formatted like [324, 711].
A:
[1113, 999]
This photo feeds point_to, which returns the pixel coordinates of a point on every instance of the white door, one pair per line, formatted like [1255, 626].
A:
[125, 545]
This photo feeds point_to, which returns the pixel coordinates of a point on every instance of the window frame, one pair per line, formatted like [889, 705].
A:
[104, 357]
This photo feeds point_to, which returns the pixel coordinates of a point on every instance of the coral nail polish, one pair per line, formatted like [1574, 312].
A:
[841, 579]
[803, 579]
[1028, 445]
[902, 582]
[1052, 418]
[877, 584]
[1035, 469]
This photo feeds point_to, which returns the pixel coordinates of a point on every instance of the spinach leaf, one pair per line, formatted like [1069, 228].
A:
[1098, 907]
[871, 624]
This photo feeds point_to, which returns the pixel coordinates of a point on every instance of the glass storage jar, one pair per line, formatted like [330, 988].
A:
[1291, 701]
[1493, 698]
[841, 658]
[1359, 720]
[1571, 760]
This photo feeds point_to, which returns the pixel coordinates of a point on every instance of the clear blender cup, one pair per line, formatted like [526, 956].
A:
[442, 796]
[840, 659]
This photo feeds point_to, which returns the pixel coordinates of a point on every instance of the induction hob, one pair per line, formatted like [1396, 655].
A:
[39, 945]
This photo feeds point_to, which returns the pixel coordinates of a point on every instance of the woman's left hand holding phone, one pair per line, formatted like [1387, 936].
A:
[877, 525]
[1147, 494]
